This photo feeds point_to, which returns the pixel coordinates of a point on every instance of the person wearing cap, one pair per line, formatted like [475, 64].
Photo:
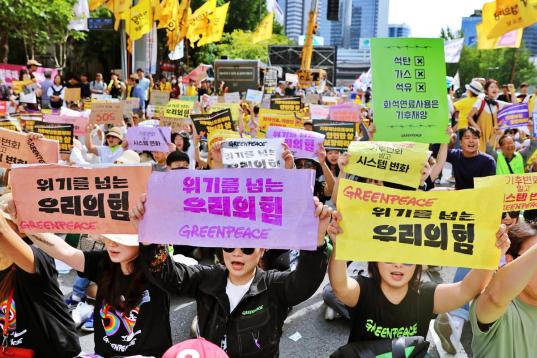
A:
[29, 290]
[112, 149]
[308, 125]
[241, 307]
[131, 315]
[463, 106]
[32, 66]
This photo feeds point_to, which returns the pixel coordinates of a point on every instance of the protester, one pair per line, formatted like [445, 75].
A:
[56, 93]
[504, 316]
[136, 91]
[45, 85]
[224, 293]
[98, 86]
[506, 95]
[483, 115]
[85, 86]
[523, 92]
[191, 89]
[116, 88]
[112, 149]
[163, 84]
[145, 85]
[465, 105]
[508, 161]
[30, 298]
[177, 160]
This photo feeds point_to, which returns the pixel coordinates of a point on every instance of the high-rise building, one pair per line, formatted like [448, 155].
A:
[468, 28]
[398, 30]
[365, 19]
[529, 39]
[294, 18]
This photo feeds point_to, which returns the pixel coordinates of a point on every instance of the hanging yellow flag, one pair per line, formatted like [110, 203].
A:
[507, 16]
[512, 39]
[94, 4]
[199, 21]
[264, 30]
[118, 7]
[185, 13]
[165, 13]
[177, 26]
[216, 25]
[138, 20]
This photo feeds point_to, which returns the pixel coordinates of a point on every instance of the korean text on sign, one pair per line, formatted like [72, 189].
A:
[18, 148]
[253, 153]
[394, 162]
[289, 104]
[53, 198]
[519, 191]
[338, 135]
[445, 228]
[107, 112]
[302, 143]
[231, 208]
[178, 109]
[153, 139]
[409, 77]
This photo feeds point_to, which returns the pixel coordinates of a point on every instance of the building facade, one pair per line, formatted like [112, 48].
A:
[398, 30]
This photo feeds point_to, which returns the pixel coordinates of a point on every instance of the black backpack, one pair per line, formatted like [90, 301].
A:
[59, 103]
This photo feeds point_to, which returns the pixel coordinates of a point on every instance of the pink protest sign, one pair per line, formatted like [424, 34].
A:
[18, 148]
[10, 73]
[346, 112]
[93, 200]
[318, 111]
[302, 143]
[79, 122]
[269, 208]
[153, 139]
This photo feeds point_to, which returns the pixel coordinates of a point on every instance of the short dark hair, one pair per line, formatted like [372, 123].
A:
[374, 273]
[177, 156]
[519, 233]
[186, 140]
[472, 130]
[48, 74]
[139, 70]
[511, 214]
[489, 83]
[504, 137]
[523, 84]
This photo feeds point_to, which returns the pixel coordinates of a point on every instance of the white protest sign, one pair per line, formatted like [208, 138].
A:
[253, 153]
[254, 96]
[233, 97]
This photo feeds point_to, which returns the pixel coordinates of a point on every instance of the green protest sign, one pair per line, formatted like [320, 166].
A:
[409, 85]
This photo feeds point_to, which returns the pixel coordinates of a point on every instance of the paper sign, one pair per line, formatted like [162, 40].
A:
[71, 94]
[329, 100]
[106, 113]
[253, 153]
[79, 123]
[318, 111]
[288, 104]
[519, 191]
[17, 148]
[100, 97]
[302, 143]
[513, 116]
[178, 109]
[68, 199]
[153, 111]
[409, 82]
[18, 86]
[346, 112]
[189, 98]
[221, 135]
[233, 107]
[152, 139]
[276, 118]
[63, 133]
[159, 98]
[394, 162]
[233, 97]
[338, 135]
[254, 96]
[312, 98]
[131, 104]
[444, 228]
[231, 208]
[291, 77]
[206, 123]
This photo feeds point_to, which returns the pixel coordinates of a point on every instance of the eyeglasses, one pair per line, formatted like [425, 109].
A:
[248, 251]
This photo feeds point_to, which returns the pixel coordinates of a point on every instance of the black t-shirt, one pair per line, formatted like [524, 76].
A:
[374, 317]
[144, 330]
[85, 91]
[466, 169]
[41, 320]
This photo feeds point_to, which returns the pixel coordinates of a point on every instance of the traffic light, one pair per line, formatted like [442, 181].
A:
[332, 10]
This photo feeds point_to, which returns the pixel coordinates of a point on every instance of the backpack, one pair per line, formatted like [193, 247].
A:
[481, 108]
[59, 103]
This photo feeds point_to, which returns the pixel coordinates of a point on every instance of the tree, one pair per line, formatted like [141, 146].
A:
[447, 34]
[497, 64]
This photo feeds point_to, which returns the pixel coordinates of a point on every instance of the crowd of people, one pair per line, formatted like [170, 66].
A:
[243, 295]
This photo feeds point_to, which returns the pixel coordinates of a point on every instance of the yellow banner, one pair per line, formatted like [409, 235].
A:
[138, 20]
[221, 135]
[394, 162]
[272, 117]
[264, 29]
[445, 228]
[501, 18]
[18, 86]
[519, 191]
[178, 109]
[216, 25]
[234, 108]
[199, 21]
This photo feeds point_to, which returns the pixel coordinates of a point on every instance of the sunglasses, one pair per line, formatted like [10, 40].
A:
[248, 251]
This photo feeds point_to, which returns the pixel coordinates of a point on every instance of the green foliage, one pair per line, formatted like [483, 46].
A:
[496, 64]
[238, 44]
[448, 34]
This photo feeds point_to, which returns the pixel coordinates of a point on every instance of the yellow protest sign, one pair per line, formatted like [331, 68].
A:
[18, 86]
[221, 135]
[394, 162]
[445, 228]
[72, 94]
[272, 117]
[234, 108]
[178, 109]
[519, 191]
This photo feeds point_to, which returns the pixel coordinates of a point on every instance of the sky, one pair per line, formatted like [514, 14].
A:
[427, 17]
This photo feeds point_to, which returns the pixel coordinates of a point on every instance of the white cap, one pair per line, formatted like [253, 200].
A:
[123, 239]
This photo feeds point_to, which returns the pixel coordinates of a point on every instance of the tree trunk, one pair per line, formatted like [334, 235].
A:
[4, 47]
